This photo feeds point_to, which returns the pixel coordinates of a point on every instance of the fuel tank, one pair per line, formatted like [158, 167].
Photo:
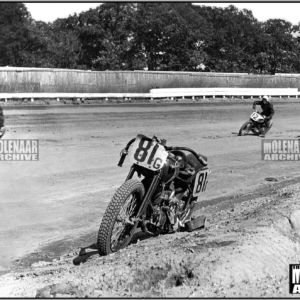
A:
[167, 170]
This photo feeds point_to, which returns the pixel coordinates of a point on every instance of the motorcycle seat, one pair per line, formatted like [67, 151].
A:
[193, 164]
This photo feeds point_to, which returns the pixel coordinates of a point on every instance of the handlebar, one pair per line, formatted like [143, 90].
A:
[124, 152]
[259, 112]
[162, 141]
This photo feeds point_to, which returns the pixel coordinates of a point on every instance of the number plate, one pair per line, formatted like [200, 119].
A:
[201, 182]
[147, 154]
[255, 116]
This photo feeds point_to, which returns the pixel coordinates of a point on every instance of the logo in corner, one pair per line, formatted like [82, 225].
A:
[280, 149]
[295, 279]
[19, 150]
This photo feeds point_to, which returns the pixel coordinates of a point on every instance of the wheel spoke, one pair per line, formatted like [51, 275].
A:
[120, 218]
[116, 234]
[123, 221]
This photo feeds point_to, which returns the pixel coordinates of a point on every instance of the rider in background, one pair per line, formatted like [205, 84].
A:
[267, 109]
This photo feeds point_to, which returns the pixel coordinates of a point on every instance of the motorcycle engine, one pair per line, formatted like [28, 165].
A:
[169, 205]
[169, 201]
[260, 127]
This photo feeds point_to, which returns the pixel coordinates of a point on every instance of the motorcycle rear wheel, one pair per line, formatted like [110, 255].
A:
[268, 128]
[118, 224]
[246, 127]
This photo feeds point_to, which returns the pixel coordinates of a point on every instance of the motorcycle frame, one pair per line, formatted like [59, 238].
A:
[141, 214]
[258, 125]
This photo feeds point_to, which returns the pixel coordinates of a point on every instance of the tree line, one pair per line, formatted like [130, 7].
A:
[152, 36]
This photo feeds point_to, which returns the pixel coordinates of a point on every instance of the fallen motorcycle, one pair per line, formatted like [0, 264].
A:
[256, 125]
[158, 196]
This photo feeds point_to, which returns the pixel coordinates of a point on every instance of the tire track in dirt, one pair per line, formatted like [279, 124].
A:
[244, 253]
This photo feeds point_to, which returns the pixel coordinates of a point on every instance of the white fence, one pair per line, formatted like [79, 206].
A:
[59, 96]
[163, 93]
[224, 92]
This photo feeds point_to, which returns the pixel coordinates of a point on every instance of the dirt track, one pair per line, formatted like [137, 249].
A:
[64, 194]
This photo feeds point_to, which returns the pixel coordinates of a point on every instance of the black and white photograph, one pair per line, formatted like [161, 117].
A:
[149, 149]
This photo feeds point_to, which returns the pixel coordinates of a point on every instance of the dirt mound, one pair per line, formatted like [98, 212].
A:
[245, 252]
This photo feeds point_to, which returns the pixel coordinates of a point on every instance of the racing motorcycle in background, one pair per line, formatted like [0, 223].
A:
[256, 125]
[158, 195]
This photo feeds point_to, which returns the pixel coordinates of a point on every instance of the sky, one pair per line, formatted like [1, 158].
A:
[49, 12]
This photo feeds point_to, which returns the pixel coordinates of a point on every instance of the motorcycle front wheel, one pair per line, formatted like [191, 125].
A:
[246, 128]
[118, 223]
